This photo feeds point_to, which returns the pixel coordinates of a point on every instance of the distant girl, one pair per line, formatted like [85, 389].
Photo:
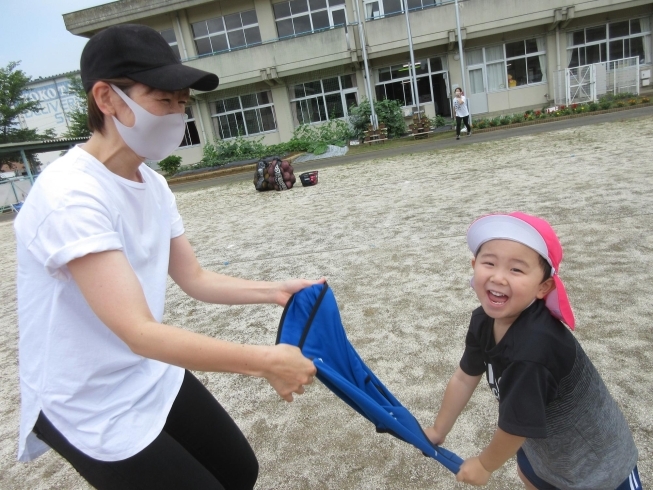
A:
[462, 112]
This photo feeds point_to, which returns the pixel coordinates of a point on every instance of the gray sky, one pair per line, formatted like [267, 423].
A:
[33, 32]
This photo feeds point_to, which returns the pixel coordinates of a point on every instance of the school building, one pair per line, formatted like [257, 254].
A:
[282, 63]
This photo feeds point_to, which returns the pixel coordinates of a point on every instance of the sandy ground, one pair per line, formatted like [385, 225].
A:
[389, 235]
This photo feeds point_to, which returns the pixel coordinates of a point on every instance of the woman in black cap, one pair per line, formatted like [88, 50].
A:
[103, 381]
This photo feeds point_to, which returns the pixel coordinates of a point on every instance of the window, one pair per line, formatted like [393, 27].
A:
[610, 42]
[395, 82]
[171, 39]
[375, 9]
[306, 16]
[243, 115]
[323, 100]
[191, 136]
[226, 33]
[507, 65]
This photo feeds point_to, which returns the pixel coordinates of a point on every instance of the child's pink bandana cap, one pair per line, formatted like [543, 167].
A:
[535, 233]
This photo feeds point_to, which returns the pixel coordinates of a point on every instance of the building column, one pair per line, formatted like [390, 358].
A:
[285, 124]
[265, 16]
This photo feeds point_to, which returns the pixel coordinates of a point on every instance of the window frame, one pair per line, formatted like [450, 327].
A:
[323, 95]
[187, 142]
[382, 14]
[225, 32]
[215, 115]
[408, 78]
[606, 42]
[329, 9]
[174, 45]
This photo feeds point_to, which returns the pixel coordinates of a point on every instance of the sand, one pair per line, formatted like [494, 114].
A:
[389, 234]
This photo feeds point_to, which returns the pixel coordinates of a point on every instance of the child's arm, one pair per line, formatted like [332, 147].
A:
[502, 447]
[458, 392]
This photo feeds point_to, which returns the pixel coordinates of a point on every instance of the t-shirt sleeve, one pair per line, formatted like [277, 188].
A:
[472, 361]
[70, 232]
[525, 388]
[176, 223]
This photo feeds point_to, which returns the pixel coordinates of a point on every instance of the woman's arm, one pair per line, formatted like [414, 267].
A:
[459, 390]
[210, 287]
[115, 295]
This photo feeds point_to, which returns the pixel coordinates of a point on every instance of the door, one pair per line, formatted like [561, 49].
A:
[441, 94]
[477, 96]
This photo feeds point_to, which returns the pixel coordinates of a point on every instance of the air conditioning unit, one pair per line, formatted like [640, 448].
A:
[645, 74]
[408, 111]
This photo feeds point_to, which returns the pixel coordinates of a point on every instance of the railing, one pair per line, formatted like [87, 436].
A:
[13, 191]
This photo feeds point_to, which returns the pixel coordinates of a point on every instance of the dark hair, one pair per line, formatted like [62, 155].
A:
[545, 266]
[95, 115]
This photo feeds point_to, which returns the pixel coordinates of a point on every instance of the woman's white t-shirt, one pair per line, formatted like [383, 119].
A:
[460, 107]
[107, 401]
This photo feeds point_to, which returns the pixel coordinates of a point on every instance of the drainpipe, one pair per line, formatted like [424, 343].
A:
[181, 35]
[368, 87]
[462, 60]
[412, 62]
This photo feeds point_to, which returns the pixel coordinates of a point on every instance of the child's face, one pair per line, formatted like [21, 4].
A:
[507, 278]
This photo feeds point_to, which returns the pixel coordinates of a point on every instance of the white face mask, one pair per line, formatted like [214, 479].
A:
[152, 137]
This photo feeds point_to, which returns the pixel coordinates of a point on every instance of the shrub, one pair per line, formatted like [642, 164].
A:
[480, 123]
[505, 120]
[632, 102]
[387, 111]
[645, 100]
[593, 106]
[170, 165]
[495, 122]
[620, 104]
[438, 121]
[605, 105]
[517, 118]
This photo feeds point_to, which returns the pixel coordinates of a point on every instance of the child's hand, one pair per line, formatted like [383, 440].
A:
[473, 472]
[434, 436]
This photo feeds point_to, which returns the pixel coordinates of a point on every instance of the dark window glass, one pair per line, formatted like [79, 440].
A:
[424, 89]
[252, 35]
[316, 109]
[531, 46]
[595, 34]
[581, 53]
[398, 71]
[533, 69]
[380, 92]
[233, 21]
[428, 3]
[604, 51]
[414, 4]
[515, 49]
[333, 3]
[236, 124]
[313, 88]
[263, 98]
[384, 74]
[236, 38]
[517, 70]
[339, 17]
[251, 122]
[635, 26]
[637, 48]
[347, 81]
[299, 91]
[223, 127]
[408, 93]
[317, 4]
[578, 38]
[249, 17]
[203, 46]
[350, 100]
[191, 135]
[215, 25]
[175, 48]
[334, 106]
[618, 29]
[392, 7]
[298, 6]
[302, 24]
[421, 67]
[616, 50]
[395, 91]
[267, 119]
[219, 43]
[331, 84]
[248, 101]
[593, 54]
[574, 58]
[285, 28]
[169, 35]
[232, 104]
[320, 19]
[218, 107]
[436, 64]
[199, 29]
[281, 10]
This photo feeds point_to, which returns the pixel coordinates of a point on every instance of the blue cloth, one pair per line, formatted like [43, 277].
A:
[311, 321]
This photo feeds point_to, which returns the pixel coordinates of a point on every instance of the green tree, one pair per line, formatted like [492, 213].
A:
[387, 111]
[78, 117]
[13, 104]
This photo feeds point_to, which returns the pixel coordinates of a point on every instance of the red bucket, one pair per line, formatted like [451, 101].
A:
[308, 178]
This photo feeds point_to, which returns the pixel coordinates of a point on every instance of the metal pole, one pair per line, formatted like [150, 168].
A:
[361, 34]
[462, 60]
[26, 163]
[412, 62]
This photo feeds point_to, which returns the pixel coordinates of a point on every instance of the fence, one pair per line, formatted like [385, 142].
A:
[13, 191]
[589, 82]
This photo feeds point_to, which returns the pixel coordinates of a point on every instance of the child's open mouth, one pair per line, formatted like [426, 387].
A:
[496, 298]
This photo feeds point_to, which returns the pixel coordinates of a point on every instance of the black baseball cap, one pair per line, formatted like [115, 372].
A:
[141, 54]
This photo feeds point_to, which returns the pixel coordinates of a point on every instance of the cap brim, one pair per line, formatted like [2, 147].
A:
[177, 77]
[504, 227]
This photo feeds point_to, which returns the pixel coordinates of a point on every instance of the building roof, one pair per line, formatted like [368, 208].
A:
[52, 77]
[41, 146]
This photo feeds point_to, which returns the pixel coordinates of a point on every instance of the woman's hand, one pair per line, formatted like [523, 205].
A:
[473, 472]
[434, 435]
[286, 289]
[288, 371]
